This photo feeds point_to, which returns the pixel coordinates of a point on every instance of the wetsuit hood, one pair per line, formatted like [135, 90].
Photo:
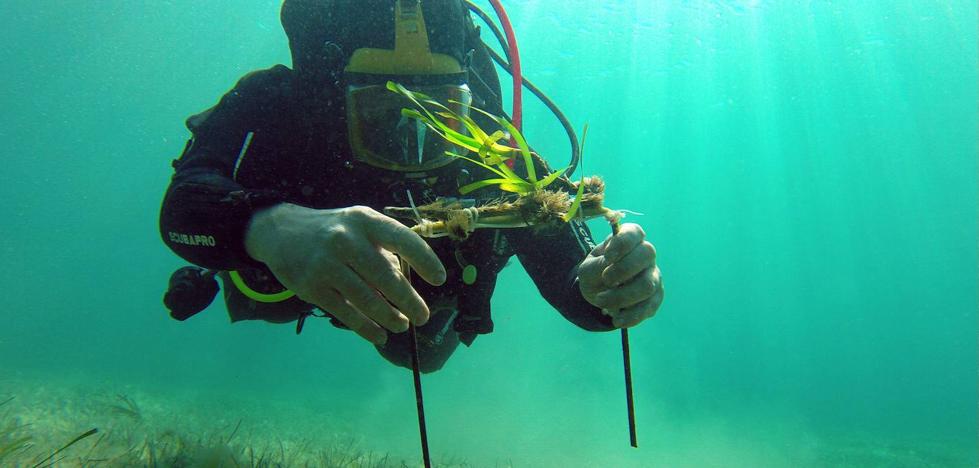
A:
[323, 34]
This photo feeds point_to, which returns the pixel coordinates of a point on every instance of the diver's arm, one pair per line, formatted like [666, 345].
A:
[551, 258]
[204, 217]
[205, 211]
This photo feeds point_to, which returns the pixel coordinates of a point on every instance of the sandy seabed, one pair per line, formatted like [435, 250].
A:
[67, 423]
[121, 426]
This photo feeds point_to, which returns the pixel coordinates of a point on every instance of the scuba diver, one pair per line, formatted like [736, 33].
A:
[281, 186]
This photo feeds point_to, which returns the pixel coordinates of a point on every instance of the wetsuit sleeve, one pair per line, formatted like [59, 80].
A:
[205, 211]
[551, 257]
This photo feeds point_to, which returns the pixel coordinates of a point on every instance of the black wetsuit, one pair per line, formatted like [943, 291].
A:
[264, 143]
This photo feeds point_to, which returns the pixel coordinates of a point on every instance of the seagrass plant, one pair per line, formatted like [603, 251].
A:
[535, 203]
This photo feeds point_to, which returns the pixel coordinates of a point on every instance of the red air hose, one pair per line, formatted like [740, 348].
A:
[511, 39]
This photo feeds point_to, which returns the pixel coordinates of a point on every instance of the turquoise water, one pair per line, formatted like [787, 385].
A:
[806, 169]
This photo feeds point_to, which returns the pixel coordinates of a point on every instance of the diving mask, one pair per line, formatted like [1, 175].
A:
[382, 137]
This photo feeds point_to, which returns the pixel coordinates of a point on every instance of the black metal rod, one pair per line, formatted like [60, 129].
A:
[627, 364]
[417, 375]
[419, 400]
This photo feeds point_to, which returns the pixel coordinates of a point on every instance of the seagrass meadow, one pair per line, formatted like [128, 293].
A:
[806, 169]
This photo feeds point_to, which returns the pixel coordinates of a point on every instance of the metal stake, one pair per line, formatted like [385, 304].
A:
[628, 388]
[417, 375]
[627, 366]
[419, 400]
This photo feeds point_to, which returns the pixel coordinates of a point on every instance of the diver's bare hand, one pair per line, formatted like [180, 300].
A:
[620, 276]
[342, 260]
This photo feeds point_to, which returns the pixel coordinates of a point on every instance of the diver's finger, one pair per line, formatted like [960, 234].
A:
[634, 315]
[397, 238]
[634, 291]
[641, 258]
[590, 269]
[332, 303]
[380, 274]
[368, 300]
[629, 236]
[599, 249]
[631, 316]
